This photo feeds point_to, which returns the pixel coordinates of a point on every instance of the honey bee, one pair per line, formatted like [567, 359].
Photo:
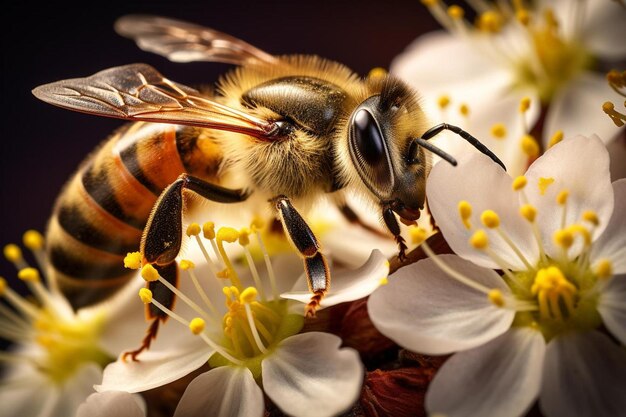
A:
[289, 129]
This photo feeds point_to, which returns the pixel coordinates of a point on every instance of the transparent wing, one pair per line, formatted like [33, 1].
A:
[139, 92]
[184, 42]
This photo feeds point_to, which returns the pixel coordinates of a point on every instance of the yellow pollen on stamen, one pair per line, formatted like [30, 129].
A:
[443, 102]
[377, 72]
[524, 104]
[490, 219]
[33, 240]
[186, 264]
[479, 240]
[498, 131]
[418, 235]
[489, 21]
[29, 274]
[257, 223]
[591, 217]
[550, 286]
[523, 16]
[543, 184]
[529, 212]
[196, 325]
[456, 12]
[145, 295]
[248, 295]
[132, 260]
[556, 138]
[208, 230]
[383, 281]
[149, 273]
[465, 211]
[496, 297]
[604, 269]
[244, 236]
[227, 234]
[193, 229]
[12, 252]
[563, 238]
[464, 110]
[581, 230]
[561, 198]
[529, 146]
[519, 183]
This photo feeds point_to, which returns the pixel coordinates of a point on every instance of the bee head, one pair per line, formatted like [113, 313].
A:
[390, 163]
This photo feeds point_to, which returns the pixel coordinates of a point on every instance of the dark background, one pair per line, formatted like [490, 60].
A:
[42, 145]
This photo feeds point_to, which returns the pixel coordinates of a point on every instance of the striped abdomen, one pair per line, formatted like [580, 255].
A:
[100, 214]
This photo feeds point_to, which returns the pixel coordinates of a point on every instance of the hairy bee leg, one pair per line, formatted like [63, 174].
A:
[303, 239]
[392, 224]
[350, 215]
[162, 294]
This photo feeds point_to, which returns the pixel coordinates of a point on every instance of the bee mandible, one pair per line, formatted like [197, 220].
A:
[288, 129]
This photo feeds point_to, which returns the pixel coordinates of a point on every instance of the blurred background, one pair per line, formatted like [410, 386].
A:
[42, 145]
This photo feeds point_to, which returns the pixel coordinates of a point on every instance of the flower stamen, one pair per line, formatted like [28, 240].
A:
[556, 295]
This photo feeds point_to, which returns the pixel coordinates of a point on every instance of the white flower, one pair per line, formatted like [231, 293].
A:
[112, 404]
[558, 234]
[545, 54]
[58, 354]
[249, 336]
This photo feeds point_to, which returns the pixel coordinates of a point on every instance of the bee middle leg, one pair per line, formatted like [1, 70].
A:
[162, 238]
[303, 239]
[351, 216]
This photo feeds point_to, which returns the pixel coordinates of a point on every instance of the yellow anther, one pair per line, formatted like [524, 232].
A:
[490, 21]
[556, 138]
[227, 234]
[443, 101]
[149, 273]
[617, 117]
[227, 292]
[3, 285]
[581, 230]
[555, 293]
[196, 325]
[29, 274]
[132, 260]
[208, 230]
[523, 16]
[430, 3]
[530, 146]
[377, 72]
[33, 240]
[591, 217]
[529, 212]
[145, 295]
[562, 196]
[193, 229]
[498, 131]
[524, 105]
[244, 236]
[248, 295]
[465, 211]
[564, 238]
[490, 219]
[186, 264]
[496, 297]
[479, 240]
[257, 223]
[544, 183]
[519, 183]
[456, 12]
[418, 235]
[604, 269]
[383, 281]
[12, 252]
[464, 110]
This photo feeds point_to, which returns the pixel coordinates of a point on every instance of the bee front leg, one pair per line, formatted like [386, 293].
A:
[392, 224]
[303, 239]
[161, 242]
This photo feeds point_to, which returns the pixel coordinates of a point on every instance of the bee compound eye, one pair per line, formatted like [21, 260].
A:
[367, 138]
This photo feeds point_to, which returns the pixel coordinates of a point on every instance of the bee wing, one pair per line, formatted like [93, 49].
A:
[139, 92]
[185, 42]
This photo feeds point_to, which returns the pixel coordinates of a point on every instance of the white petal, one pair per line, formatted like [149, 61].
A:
[308, 375]
[110, 404]
[608, 42]
[155, 368]
[612, 243]
[577, 109]
[226, 391]
[500, 378]
[579, 165]
[483, 183]
[612, 307]
[426, 311]
[584, 375]
[76, 390]
[26, 393]
[348, 285]
[353, 245]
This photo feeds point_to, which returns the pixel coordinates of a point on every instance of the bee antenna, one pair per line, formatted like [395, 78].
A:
[462, 133]
[432, 148]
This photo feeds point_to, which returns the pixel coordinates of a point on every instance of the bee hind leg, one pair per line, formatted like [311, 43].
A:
[303, 239]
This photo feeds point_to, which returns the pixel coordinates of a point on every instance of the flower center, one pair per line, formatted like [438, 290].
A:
[65, 340]
[555, 294]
